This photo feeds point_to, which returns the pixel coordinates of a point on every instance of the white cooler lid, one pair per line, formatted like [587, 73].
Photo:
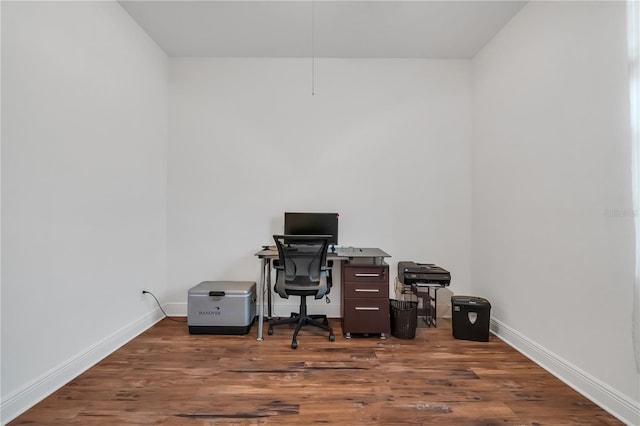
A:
[231, 288]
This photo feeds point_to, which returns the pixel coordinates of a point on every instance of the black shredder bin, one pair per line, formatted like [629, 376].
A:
[470, 318]
[404, 318]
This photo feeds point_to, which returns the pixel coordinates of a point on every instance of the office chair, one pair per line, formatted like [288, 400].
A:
[302, 270]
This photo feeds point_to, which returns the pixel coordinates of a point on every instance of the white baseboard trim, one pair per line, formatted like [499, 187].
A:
[332, 310]
[175, 309]
[21, 400]
[618, 405]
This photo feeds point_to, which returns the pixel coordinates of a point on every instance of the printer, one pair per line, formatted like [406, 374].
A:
[428, 274]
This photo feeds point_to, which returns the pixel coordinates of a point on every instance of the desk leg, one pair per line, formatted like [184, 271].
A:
[269, 301]
[263, 278]
[435, 306]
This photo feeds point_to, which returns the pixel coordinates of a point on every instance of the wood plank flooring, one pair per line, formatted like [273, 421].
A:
[167, 376]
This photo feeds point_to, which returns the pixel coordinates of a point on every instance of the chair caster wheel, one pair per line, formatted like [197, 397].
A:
[294, 345]
[332, 337]
[270, 331]
[325, 321]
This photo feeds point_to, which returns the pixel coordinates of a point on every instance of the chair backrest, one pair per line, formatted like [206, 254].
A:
[302, 265]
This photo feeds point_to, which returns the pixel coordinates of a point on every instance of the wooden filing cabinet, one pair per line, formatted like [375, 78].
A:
[365, 299]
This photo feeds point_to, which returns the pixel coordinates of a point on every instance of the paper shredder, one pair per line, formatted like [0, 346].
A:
[470, 318]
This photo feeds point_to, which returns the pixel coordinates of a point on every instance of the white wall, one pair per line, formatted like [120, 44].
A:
[551, 174]
[84, 141]
[385, 143]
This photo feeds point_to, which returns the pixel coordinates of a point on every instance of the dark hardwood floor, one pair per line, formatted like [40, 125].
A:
[166, 376]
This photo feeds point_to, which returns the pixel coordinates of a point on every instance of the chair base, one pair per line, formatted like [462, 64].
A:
[302, 319]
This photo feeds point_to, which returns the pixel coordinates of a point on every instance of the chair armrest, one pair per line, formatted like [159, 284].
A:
[276, 264]
[328, 269]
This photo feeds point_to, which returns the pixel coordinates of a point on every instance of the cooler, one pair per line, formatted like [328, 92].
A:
[470, 318]
[221, 307]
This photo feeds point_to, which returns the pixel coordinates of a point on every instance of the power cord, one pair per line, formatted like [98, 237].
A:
[160, 306]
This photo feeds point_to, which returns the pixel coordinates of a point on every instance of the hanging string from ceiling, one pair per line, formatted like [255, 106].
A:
[313, 46]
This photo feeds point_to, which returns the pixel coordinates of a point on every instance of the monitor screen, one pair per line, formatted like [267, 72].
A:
[312, 224]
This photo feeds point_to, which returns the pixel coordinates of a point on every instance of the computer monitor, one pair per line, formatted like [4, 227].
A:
[312, 224]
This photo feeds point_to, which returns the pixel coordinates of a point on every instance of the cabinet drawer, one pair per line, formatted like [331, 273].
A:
[369, 273]
[366, 315]
[366, 290]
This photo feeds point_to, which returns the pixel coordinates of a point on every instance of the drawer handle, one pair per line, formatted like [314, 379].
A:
[367, 290]
[367, 308]
[367, 275]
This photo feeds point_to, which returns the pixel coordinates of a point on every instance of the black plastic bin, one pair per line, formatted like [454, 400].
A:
[470, 318]
[404, 318]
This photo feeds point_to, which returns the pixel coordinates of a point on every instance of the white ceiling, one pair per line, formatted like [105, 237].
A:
[300, 28]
